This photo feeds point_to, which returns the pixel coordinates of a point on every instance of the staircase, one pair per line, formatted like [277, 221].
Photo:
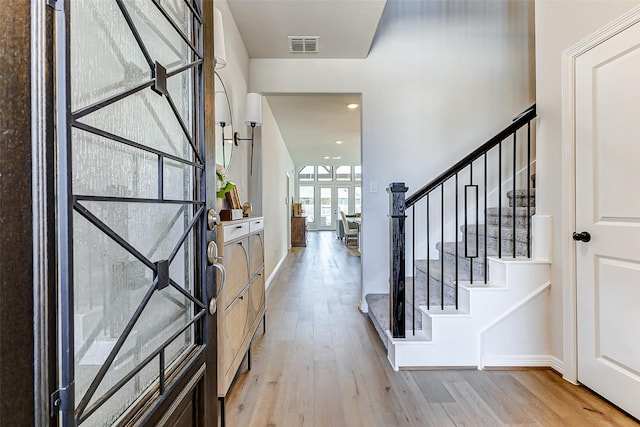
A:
[482, 301]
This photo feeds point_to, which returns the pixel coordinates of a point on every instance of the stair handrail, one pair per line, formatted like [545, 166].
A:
[399, 205]
[520, 120]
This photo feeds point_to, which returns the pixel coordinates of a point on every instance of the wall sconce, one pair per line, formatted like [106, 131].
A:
[219, 51]
[223, 118]
[253, 117]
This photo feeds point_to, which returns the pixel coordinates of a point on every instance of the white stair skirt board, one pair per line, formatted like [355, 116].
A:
[505, 320]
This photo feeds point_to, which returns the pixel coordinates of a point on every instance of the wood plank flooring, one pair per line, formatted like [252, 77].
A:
[322, 364]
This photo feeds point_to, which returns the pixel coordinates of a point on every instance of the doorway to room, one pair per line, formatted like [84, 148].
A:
[323, 200]
[322, 134]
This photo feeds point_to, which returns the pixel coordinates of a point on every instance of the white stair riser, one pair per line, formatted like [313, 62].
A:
[456, 340]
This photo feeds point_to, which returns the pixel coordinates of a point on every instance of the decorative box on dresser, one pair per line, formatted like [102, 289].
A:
[241, 302]
[298, 231]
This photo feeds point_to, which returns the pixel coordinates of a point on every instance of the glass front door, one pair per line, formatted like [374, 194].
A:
[131, 210]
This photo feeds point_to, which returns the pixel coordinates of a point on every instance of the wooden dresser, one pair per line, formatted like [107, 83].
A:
[241, 303]
[298, 231]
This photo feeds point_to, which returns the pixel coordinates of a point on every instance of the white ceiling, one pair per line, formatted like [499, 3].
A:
[310, 124]
[346, 27]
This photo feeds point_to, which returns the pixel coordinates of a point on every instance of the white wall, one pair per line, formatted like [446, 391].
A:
[559, 25]
[271, 158]
[276, 163]
[235, 76]
[441, 78]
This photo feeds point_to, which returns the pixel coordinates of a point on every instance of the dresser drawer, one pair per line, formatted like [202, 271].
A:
[256, 225]
[235, 231]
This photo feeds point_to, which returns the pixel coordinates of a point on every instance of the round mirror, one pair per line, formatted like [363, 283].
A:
[224, 125]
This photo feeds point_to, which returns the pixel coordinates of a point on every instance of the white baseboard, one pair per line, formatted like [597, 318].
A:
[504, 361]
[557, 365]
[273, 274]
[363, 306]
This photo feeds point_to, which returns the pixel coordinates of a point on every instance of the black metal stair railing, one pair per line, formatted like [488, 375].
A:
[437, 209]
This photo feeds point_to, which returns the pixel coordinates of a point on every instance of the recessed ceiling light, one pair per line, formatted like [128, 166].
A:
[352, 106]
[327, 157]
[337, 157]
[339, 142]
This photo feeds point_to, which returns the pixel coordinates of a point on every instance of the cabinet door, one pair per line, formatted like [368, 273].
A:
[234, 328]
[298, 231]
[236, 260]
[257, 252]
[257, 296]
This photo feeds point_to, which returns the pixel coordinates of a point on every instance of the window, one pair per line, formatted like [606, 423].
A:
[306, 197]
[343, 173]
[358, 198]
[357, 172]
[325, 173]
[307, 173]
[343, 199]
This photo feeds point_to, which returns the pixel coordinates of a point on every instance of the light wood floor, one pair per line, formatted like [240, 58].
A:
[322, 364]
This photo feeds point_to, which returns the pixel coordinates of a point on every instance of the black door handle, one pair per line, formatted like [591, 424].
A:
[582, 237]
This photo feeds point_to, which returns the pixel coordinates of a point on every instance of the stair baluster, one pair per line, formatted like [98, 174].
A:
[451, 274]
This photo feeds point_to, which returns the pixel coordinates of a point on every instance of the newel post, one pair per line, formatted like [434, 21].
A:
[397, 216]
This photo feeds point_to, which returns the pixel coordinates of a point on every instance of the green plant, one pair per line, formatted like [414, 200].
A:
[223, 185]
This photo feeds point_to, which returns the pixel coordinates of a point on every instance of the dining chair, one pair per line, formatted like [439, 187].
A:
[351, 231]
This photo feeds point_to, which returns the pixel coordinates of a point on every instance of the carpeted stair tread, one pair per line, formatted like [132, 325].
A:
[493, 216]
[508, 212]
[465, 265]
[379, 309]
[520, 198]
[521, 193]
[493, 231]
[435, 273]
[434, 282]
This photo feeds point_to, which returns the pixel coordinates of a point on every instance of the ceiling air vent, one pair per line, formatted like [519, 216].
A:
[303, 44]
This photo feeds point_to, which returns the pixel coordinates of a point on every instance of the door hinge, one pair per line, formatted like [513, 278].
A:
[58, 400]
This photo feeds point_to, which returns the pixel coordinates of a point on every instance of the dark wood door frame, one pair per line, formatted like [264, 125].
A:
[27, 272]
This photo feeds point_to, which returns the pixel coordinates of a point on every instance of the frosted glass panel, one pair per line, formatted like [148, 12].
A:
[108, 413]
[178, 181]
[180, 14]
[145, 118]
[153, 229]
[114, 284]
[180, 88]
[109, 284]
[165, 314]
[105, 58]
[98, 165]
[161, 40]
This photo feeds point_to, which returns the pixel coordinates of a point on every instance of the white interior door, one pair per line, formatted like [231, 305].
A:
[608, 207]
